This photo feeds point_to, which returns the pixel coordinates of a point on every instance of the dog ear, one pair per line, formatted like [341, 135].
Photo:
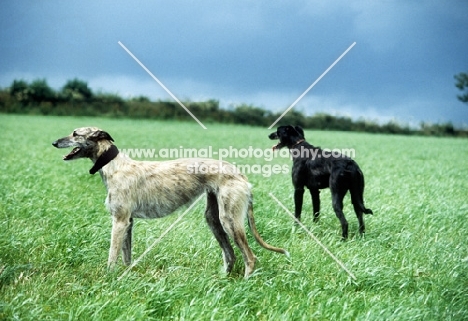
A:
[101, 135]
[299, 130]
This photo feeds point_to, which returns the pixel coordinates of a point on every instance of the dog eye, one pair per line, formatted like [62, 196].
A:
[75, 134]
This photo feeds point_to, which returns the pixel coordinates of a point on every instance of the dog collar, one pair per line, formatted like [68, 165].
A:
[104, 159]
[300, 141]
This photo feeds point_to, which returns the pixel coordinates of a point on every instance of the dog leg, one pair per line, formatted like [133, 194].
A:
[357, 190]
[127, 245]
[298, 199]
[358, 211]
[212, 218]
[240, 238]
[315, 194]
[231, 216]
[337, 199]
[120, 225]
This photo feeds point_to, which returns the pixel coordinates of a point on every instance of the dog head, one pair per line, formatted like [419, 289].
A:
[287, 135]
[84, 142]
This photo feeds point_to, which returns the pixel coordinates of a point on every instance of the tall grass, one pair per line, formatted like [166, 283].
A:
[55, 231]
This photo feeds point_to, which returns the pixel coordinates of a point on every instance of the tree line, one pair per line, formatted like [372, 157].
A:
[75, 98]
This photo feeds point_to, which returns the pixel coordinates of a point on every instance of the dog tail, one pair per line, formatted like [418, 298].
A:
[357, 192]
[258, 238]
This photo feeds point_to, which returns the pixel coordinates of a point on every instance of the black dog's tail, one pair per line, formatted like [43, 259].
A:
[357, 191]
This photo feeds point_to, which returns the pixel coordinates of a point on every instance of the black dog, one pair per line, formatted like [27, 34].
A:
[317, 169]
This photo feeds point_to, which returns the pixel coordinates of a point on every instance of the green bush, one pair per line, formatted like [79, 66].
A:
[77, 99]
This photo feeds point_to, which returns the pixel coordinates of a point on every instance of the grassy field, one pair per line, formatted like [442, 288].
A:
[54, 234]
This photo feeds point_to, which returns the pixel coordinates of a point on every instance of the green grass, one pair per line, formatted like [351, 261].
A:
[55, 230]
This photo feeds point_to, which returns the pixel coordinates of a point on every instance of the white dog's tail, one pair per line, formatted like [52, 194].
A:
[258, 238]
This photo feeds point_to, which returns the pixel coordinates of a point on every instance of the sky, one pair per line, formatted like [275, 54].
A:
[262, 53]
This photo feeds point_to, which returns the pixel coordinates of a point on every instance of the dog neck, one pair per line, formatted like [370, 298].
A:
[104, 159]
[297, 143]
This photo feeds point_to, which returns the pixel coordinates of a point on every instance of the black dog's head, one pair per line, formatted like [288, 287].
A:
[288, 136]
